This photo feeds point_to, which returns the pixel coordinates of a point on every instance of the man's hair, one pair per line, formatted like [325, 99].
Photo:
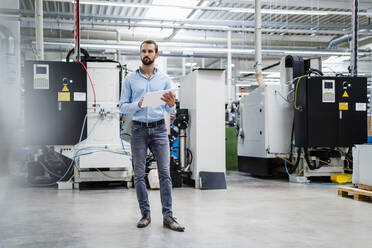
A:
[150, 42]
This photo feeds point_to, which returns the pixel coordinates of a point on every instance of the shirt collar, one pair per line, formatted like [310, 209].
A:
[138, 71]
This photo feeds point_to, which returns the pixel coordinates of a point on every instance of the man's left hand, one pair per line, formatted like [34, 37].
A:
[169, 98]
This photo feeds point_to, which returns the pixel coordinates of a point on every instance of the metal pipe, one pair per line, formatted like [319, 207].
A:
[338, 40]
[39, 29]
[258, 41]
[182, 140]
[77, 29]
[118, 50]
[354, 41]
[215, 24]
[116, 31]
[183, 66]
[130, 46]
[100, 25]
[345, 38]
[229, 69]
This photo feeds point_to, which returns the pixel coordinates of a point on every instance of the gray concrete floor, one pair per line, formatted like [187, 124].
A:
[252, 212]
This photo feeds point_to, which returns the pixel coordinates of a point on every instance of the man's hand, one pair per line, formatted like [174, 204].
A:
[169, 98]
[140, 103]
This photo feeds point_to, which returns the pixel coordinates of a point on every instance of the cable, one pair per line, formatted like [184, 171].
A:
[316, 184]
[312, 184]
[325, 162]
[72, 161]
[48, 170]
[121, 135]
[104, 174]
[90, 79]
[295, 96]
[189, 162]
[78, 154]
[285, 99]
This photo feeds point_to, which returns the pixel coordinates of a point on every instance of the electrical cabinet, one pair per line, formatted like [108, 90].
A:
[55, 102]
[330, 111]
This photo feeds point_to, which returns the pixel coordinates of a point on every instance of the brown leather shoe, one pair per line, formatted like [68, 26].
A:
[144, 221]
[171, 223]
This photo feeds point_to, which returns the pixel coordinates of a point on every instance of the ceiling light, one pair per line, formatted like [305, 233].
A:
[281, 11]
[253, 72]
[190, 64]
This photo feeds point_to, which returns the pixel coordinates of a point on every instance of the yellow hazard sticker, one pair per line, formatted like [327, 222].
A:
[343, 106]
[65, 88]
[345, 94]
[64, 96]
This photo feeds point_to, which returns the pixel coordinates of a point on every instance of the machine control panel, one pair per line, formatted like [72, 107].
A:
[41, 76]
[328, 91]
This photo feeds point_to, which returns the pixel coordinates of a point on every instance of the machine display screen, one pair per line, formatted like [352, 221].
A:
[41, 70]
[328, 85]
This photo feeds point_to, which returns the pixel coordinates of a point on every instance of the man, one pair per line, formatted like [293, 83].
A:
[149, 130]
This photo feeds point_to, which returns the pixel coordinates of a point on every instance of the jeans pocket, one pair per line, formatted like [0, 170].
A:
[162, 128]
[135, 129]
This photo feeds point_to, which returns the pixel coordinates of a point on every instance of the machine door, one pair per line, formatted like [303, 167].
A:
[352, 110]
[322, 112]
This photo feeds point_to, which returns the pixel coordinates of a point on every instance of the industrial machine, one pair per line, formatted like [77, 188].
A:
[362, 169]
[205, 129]
[72, 114]
[180, 155]
[307, 120]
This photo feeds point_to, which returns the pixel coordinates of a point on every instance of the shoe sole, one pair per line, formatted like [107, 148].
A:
[143, 226]
[177, 230]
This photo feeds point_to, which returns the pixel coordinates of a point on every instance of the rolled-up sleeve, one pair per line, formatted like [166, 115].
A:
[126, 104]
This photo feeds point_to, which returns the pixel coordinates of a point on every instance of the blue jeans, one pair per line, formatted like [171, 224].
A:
[156, 138]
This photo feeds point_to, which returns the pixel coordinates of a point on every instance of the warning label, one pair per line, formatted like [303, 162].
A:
[345, 94]
[343, 106]
[64, 96]
[65, 89]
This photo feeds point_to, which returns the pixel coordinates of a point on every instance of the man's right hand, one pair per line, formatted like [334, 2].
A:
[140, 103]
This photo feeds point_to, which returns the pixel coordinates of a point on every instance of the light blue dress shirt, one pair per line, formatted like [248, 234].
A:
[135, 86]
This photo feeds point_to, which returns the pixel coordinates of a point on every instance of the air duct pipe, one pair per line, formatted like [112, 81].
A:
[258, 42]
[117, 32]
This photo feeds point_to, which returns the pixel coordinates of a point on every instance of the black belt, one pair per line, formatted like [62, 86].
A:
[149, 124]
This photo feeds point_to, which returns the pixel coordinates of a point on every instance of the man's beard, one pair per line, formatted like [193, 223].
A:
[147, 61]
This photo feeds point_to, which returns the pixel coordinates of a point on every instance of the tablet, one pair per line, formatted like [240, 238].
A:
[154, 98]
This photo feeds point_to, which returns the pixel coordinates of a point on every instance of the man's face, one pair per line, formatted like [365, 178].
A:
[148, 54]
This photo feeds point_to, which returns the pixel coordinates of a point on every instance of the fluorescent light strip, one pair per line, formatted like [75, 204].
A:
[253, 72]
[281, 12]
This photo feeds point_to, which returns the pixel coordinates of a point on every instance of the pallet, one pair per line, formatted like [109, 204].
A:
[358, 194]
[365, 186]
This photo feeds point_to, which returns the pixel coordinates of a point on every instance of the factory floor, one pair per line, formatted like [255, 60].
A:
[252, 212]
